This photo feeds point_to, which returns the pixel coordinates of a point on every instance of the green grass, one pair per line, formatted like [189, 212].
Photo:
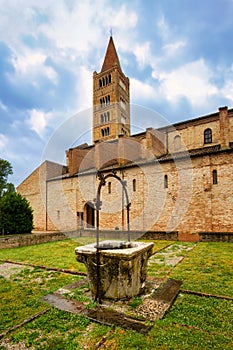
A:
[159, 244]
[159, 265]
[20, 296]
[207, 268]
[58, 254]
[54, 330]
[193, 322]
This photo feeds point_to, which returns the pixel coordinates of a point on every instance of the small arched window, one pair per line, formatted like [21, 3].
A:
[109, 187]
[109, 78]
[100, 83]
[207, 136]
[134, 185]
[215, 177]
[165, 181]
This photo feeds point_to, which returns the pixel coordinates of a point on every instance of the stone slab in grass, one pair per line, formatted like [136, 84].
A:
[62, 303]
[168, 291]
[114, 318]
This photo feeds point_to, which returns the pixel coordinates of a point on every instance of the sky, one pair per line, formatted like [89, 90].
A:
[178, 55]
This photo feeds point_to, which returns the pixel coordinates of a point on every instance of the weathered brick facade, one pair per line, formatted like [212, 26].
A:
[179, 178]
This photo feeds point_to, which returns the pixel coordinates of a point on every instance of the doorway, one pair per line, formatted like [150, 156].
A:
[90, 215]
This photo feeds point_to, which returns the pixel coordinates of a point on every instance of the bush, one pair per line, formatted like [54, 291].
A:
[15, 214]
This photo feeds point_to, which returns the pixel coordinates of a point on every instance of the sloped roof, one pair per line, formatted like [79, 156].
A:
[111, 58]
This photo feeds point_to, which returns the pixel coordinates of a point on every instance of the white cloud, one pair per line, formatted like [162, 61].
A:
[124, 19]
[227, 89]
[32, 65]
[38, 120]
[76, 29]
[3, 106]
[171, 49]
[143, 54]
[3, 141]
[163, 28]
[192, 81]
[142, 91]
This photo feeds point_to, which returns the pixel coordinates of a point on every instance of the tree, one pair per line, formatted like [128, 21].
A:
[16, 215]
[5, 171]
[10, 188]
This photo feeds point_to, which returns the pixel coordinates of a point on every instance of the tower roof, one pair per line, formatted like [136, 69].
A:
[111, 58]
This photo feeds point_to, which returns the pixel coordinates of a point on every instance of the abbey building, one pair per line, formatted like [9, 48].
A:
[178, 177]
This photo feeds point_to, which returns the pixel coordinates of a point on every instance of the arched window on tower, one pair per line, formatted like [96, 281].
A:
[109, 187]
[106, 101]
[109, 78]
[100, 83]
[207, 136]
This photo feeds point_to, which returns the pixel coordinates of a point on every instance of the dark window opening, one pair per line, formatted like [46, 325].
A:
[207, 136]
[109, 187]
[105, 80]
[134, 185]
[165, 181]
[105, 132]
[215, 177]
[105, 117]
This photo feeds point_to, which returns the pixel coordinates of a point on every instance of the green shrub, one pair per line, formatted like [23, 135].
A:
[15, 214]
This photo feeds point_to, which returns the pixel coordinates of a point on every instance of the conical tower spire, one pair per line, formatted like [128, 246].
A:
[111, 58]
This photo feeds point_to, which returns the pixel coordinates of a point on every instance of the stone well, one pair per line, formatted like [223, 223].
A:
[122, 267]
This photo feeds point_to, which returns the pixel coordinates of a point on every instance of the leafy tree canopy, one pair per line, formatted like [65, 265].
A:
[5, 171]
[15, 211]
[15, 214]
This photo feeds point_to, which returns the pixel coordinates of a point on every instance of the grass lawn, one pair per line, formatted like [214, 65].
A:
[207, 268]
[194, 322]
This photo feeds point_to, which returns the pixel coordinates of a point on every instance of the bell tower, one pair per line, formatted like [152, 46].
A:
[111, 112]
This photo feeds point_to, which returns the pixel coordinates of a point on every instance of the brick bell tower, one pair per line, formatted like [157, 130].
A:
[111, 111]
